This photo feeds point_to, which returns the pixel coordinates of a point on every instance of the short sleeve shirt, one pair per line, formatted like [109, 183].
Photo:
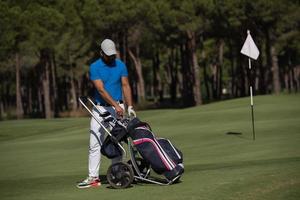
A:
[110, 76]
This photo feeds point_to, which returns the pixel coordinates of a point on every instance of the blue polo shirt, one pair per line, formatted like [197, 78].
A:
[110, 76]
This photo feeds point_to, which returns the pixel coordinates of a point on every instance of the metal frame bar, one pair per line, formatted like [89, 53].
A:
[85, 106]
[157, 182]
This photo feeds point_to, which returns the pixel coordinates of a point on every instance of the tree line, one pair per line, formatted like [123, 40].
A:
[185, 53]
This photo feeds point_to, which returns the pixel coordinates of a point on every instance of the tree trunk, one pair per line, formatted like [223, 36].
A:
[40, 99]
[79, 83]
[1, 103]
[195, 67]
[123, 47]
[268, 72]
[296, 77]
[30, 102]
[157, 87]
[20, 111]
[46, 83]
[232, 67]
[187, 77]
[220, 66]
[214, 79]
[1, 109]
[138, 68]
[54, 84]
[275, 71]
[46, 91]
[174, 80]
[241, 76]
[262, 75]
[73, 91]
[205, 76]
[66, 98]
[286, 80]
[7, 96]
[291, 78]
[173, 74]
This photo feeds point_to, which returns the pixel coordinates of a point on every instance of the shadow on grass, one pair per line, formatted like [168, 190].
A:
[238, 134]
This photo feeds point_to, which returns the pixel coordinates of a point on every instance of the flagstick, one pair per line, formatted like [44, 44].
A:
[250, 50]
[251, 96]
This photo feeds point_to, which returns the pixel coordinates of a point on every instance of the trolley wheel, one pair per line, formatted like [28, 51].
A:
[120, 175]
[143, 166]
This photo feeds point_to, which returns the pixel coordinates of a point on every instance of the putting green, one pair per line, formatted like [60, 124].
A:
[43, 159]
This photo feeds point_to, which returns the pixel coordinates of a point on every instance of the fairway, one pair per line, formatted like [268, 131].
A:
[43, 159]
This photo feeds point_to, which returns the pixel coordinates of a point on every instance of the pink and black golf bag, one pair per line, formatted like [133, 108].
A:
[161, 154]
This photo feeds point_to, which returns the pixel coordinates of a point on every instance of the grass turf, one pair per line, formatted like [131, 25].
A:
[43, 159]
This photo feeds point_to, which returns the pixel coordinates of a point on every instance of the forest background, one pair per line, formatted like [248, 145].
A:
[178, 53]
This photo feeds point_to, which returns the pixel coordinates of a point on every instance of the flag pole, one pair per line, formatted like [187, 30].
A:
[250, 50]
[251, 97]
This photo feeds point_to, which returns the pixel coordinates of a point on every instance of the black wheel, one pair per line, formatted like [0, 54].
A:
[143, 166]
[120, 175]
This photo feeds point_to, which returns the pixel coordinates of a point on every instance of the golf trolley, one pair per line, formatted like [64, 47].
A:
[137, 168]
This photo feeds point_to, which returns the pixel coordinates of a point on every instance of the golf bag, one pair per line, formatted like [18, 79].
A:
[163, 157]
[110, 146]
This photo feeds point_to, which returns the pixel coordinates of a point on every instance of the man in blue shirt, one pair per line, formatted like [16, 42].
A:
[110, 78]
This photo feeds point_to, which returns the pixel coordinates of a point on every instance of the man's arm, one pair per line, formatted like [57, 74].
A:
[126, 91]
[104, 94]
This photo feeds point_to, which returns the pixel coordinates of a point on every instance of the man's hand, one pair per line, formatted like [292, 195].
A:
[119, 111]
[131, 112]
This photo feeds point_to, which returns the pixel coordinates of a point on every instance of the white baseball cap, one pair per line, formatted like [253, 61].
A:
[108, 47]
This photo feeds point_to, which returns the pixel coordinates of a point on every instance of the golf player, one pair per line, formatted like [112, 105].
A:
[110, 79]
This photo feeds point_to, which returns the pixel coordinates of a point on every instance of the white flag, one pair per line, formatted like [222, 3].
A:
[249, 48]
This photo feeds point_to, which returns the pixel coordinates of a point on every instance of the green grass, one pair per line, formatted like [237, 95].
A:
[43, 159]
